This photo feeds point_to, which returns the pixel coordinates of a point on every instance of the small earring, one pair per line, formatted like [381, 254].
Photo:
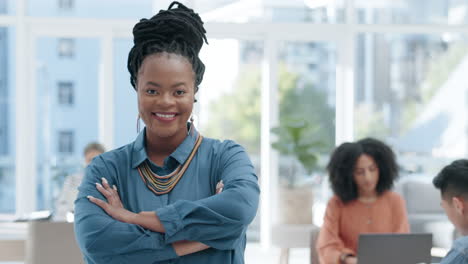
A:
[138, 124]
[195, 100]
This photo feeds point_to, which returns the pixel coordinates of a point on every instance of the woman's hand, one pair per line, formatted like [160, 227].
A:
[115, 209]
[219, 187]
[113, 206]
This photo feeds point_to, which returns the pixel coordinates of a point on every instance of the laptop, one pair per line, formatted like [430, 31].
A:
[394, 248]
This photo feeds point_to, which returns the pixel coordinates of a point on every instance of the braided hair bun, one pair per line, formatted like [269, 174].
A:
[177, 30]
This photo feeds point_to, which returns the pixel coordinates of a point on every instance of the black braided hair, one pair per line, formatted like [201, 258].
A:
[177, 30]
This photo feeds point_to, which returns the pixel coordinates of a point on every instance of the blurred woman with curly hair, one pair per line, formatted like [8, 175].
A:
[361, 177]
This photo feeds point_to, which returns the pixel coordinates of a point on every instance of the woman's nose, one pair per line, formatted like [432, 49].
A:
[367, 175]
[166, 99]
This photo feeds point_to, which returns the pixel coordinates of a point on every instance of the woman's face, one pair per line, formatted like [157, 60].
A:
[366, 175]
[165, 87]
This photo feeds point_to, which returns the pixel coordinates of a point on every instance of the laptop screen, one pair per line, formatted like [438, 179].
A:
[394, 248]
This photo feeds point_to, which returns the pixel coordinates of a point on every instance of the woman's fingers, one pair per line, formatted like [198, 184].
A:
[105, 184]
[97, 201]
[109, 192]
[111, 203]
[103, 191]
[219, 187]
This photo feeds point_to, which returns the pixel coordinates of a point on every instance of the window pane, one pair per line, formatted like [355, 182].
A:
[306, 131]
[229, 98]
[309, 11]
[66, 141]
[66, 48]
[66, 93]
[7, 121]
[129, 9]
[67, 112]
[411, 92]
[7, 7]
[126, 109]
[451, 12]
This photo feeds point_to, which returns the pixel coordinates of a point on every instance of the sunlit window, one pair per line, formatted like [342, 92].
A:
[66, 48]
[66, 5]
[66, 142]
[66, 94]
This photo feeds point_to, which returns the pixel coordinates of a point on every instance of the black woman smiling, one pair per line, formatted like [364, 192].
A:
[171, 196]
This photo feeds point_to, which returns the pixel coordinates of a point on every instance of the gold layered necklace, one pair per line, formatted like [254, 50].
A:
[162, 184]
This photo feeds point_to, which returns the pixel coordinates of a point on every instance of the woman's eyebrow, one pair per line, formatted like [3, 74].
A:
[153, 84]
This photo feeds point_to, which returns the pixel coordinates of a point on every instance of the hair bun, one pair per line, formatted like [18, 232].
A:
[179, 24]
[177, 30]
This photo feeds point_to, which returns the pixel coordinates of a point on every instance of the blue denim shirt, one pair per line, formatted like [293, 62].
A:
[459, 252]
[191, 211]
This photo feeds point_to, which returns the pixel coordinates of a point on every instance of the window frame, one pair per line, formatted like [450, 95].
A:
[66, 93]
[66, 142]
[66, 48]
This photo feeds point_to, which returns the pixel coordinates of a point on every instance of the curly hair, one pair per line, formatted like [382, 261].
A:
[176, 30]
[343, 161]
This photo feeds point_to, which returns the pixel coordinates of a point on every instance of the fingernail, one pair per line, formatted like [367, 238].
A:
[89, 197]
[98, 184]
[115, 187]
[104, 179]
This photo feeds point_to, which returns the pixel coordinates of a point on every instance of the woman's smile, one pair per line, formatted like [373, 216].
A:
[164, 117]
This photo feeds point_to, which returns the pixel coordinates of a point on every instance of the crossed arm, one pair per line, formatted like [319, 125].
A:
[149, 220]
[109, 233]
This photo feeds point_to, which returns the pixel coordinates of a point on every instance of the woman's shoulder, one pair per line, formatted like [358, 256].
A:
[335, 202]
[217, 146]
[223, 153]
[392, 197]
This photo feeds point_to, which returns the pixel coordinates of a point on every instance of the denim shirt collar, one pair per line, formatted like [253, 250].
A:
[180, 154]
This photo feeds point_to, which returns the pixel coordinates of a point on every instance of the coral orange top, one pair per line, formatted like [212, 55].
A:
[344, 222]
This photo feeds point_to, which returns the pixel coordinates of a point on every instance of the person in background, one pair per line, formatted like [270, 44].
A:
[172, 195]
[66, 198]
[361, 175]
[452, 181]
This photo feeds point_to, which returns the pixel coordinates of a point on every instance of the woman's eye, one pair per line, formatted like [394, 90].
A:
[151, 91]
[180, 92]
[359, 172]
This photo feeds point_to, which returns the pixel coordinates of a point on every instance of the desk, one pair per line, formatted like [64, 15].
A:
[287, 236]
[12, 241]
[39, 242]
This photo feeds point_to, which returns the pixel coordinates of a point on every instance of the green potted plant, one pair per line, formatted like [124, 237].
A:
[297, 141]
